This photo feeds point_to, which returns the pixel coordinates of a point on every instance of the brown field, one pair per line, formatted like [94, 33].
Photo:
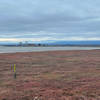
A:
[54, 75]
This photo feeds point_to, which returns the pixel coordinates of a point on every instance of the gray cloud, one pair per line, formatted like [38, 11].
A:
[52, 19]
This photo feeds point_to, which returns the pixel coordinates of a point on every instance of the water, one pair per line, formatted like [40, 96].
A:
[38, 49]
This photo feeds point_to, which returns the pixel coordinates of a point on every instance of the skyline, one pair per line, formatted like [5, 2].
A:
[49, 20]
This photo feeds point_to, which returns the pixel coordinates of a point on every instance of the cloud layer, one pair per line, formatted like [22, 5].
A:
[40, 20]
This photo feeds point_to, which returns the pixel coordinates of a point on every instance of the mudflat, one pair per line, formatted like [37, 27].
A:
[52, 75]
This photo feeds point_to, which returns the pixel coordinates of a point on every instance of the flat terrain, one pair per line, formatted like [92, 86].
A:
[53, 75]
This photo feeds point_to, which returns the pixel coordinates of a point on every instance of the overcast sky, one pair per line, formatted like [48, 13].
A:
[43, 20]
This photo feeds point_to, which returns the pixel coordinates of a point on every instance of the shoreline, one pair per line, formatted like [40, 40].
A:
[43, 49]
[51, 51]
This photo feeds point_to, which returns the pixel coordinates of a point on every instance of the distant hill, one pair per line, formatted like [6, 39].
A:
[63, 43]
[75, 43]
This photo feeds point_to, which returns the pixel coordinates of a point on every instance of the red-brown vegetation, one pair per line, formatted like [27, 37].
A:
[56, 75]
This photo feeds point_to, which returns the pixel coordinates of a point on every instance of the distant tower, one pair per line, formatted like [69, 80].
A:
[26, 43]
[20, 43]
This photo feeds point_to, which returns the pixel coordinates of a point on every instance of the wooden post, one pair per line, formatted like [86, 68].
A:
[14, 71]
